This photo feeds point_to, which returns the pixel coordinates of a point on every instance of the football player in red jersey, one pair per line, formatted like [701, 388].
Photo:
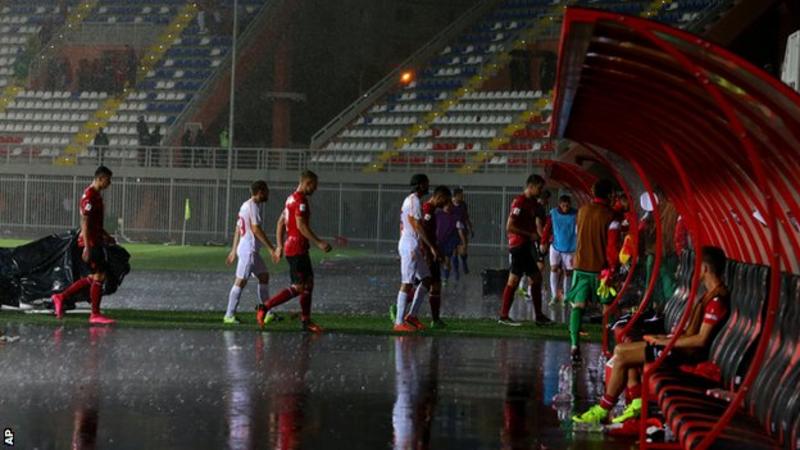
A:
[93, 240]
[441, 197]
[522, 230]
[295, 225]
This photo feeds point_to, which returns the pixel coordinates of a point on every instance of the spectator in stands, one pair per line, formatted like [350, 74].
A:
[96, 76]
[144, 139]
[200, 147]
[119, 78]
[84, 75]
[520, 70]
[224, 139]
[46, 31]
[706, 319]
[130, 64]
[65, 82]
[155, 143]
[100, 145]
[186, 146]
[201, 17]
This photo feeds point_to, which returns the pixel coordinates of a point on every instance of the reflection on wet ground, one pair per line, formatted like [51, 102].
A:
[99, 388]
[365, 285]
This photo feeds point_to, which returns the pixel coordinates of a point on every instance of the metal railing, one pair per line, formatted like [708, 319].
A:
[355, 161]
[427, 51]
[152, 209]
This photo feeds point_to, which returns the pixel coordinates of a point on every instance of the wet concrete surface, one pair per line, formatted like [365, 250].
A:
[365, 285]
[106, 388]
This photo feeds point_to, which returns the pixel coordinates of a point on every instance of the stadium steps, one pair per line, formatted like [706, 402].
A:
[487, 72]
[112, 105]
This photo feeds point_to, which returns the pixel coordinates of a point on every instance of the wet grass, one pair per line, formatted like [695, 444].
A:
[173, 258]
[332, 323]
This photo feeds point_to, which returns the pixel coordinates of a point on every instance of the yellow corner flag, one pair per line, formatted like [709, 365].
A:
[187, 211]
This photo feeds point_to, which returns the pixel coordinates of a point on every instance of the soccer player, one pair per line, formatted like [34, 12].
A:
[561, 228]
[295, 224]
[459, 208]
[522, 233]
[691, 348]
[450, 235]
[93, 240]
[592, 255]
[440, 198]
[412, 258]
[248, 238]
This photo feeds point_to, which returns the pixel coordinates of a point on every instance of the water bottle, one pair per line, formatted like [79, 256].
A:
[564, 385]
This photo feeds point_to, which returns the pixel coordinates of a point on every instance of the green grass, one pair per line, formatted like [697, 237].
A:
[333, 323]
[157, 257]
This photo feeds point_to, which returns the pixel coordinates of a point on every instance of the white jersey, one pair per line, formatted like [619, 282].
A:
[249, 214]
[411, 207]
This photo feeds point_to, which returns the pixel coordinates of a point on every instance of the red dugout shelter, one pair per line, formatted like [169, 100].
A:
[722, 139]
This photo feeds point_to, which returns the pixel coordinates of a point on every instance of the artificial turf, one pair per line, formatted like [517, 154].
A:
[174, 258]
[332, 323]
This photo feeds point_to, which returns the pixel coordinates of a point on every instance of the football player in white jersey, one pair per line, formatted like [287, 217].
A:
[248, 238]
[412, 261]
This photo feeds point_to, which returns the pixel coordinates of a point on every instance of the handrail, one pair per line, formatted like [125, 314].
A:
[708, 15]
[388, 82]
[202, 94]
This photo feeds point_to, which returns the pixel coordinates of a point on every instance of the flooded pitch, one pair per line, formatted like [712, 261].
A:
[171, 389]
[364, 285]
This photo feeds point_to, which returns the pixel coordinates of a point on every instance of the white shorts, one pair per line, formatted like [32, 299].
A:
[412, 263]
[250, 263]
[560, 259]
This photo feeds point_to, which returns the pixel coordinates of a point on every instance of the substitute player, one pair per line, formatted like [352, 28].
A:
[522, 234]
[295, 225]
[593, 254]
[248, 238]
[93, 240]
[412, 258]
[560, 229]
[441, 197]
[692, 347]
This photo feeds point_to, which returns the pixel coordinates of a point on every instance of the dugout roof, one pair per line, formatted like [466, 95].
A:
[719, 136]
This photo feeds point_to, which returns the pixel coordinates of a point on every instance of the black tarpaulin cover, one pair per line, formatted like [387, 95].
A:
[41, 268]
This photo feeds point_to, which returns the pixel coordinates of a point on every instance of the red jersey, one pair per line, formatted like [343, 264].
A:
[715, 312]
[296, 206]
[91, 207]
[429, 222]
[523, 212]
